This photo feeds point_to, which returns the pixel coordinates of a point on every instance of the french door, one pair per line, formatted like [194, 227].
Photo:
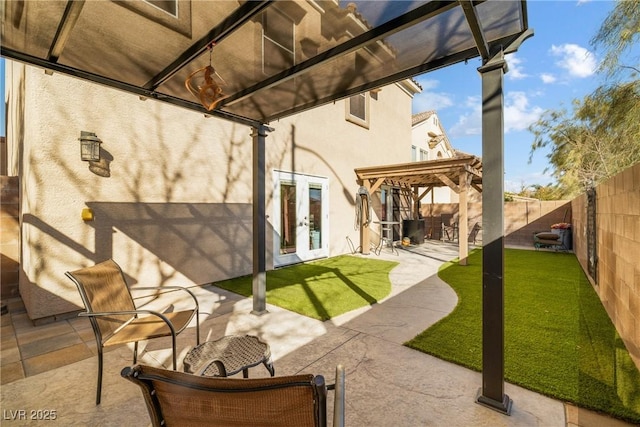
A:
[300, 217]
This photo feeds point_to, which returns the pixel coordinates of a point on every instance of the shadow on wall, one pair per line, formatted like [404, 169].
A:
[521, 219]
[203, 241]
[524, 219]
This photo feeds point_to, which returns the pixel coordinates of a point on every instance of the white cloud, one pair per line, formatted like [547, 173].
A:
[547, 78]
[518, 115]
[471, 122]
[515, 183]
[473, 101]
[430, 99]
[578, 61]
[515, 69]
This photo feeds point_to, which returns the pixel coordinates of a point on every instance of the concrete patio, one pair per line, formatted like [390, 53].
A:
[53, 367]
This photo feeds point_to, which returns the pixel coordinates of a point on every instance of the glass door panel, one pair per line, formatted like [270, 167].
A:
[300, 217]
[288, 204]
[315, 216]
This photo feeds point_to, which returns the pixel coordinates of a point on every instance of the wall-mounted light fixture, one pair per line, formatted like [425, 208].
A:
[89, 146]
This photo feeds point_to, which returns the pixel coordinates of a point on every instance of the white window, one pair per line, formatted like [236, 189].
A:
[358, 109]
[424, 155]
[414, 155]
[173, 14]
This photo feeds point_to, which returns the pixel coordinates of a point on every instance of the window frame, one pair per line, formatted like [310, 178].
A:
[179, 22]
[350, 117]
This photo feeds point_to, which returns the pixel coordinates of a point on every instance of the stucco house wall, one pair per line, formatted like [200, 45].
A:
[176, 206]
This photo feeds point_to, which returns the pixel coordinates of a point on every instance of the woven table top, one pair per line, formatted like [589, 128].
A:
[234, 352]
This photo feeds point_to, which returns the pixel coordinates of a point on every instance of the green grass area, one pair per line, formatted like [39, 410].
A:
[559, 340]
[325, 288]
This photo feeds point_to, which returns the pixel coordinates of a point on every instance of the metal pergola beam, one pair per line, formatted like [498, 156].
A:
[68, 21]
[477, 31]
[426, 67]
[387, 29]
[392, 78]
[116, 84]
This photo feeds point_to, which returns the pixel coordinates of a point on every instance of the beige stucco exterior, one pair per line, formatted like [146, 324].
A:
[176, 208]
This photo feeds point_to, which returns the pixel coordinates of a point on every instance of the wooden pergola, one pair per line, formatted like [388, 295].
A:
[417, 179]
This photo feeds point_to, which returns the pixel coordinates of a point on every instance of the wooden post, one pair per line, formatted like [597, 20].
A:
[365, 235]
[463, 222]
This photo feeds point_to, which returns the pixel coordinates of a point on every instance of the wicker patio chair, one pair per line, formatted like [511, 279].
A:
[181, 399]
[114, 317]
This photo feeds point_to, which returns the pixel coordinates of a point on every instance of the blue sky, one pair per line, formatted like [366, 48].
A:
[549, 70]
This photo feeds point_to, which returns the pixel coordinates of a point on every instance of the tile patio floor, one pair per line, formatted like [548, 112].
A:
[53, 367]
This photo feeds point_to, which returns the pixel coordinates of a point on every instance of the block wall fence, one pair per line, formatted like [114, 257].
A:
[618, 251]
[521, 219]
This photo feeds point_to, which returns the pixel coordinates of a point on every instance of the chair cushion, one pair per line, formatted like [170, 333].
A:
[548, 236]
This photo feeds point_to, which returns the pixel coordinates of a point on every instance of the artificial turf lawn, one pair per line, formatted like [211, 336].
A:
[559, 340]
[323, 289]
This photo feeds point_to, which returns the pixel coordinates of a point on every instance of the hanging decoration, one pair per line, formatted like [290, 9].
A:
[205, 84]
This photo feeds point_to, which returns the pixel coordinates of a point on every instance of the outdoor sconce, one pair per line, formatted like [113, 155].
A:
[89, 146]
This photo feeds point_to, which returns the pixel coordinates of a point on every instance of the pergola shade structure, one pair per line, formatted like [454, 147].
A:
[424, 174]
[277, 58]
[417, 179]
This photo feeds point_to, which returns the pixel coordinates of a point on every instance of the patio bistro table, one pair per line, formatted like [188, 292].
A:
[228, 356]
[386, 236]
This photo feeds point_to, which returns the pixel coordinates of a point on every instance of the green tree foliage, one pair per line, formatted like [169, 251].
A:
[601, 135]
[542, 192]
[617, 35]
[598, 139]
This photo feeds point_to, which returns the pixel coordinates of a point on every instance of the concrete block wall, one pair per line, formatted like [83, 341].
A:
[432, 215]
[10, 237]
[521, 219]
[618, 252]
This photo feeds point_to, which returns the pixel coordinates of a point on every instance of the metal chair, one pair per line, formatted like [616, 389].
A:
[114, 317]
[181, 399]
